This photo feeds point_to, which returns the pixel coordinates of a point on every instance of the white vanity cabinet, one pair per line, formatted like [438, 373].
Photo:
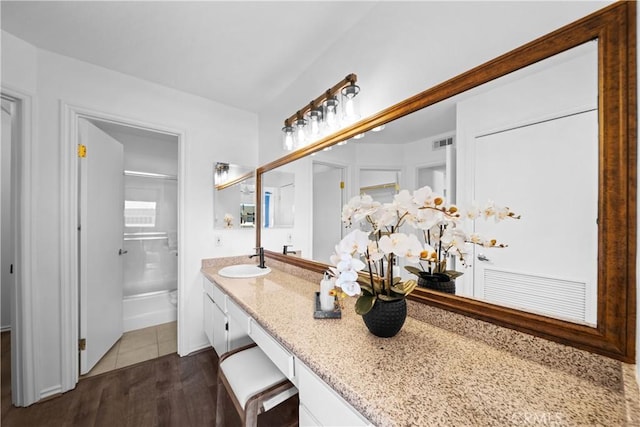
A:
[228, 326]
[320, 405]
[223, 331]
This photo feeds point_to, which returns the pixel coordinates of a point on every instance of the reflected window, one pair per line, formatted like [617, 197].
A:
[139, 214]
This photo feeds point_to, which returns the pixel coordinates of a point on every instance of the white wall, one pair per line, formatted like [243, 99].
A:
[213, 132]
[398, 50]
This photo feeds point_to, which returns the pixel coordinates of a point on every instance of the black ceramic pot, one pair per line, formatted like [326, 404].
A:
[438, 282]
[385, 319]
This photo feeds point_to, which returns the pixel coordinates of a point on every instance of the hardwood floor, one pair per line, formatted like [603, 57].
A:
[168, 391]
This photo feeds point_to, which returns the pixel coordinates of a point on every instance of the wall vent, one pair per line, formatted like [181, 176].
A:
[443, 142]
[562, 299]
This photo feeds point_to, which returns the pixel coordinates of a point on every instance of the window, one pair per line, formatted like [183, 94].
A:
[139, 214]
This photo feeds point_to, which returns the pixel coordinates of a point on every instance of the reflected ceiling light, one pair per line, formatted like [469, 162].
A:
[359, 136]
[322, 116]
[222, 172]
[377, 128]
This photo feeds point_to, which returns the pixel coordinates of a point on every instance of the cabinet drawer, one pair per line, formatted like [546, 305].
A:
[219, 297]
[325, 405]
[276, 352]
[207, 287]
[241, 319]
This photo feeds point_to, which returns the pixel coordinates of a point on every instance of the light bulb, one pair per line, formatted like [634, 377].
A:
[331, 120]
[349, 103]
[301, 133]
[315, 122]
[287, 138]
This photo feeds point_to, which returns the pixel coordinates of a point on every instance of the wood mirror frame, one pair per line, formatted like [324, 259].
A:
[615, 28]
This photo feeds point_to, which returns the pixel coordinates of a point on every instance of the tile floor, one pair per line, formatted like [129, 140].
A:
[138, 346]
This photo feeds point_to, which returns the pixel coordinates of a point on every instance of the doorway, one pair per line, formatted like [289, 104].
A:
[17, 252]
[328, 200]
[139, 185]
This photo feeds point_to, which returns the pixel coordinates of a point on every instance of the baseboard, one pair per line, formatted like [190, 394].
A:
[50, 392]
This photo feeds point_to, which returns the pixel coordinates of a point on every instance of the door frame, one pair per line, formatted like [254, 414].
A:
[69, 265]
[24, 346]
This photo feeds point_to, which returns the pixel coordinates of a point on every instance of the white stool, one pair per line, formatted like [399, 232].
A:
[253, 382]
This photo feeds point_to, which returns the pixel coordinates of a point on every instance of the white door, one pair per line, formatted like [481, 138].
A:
[101, 219]
[327, 206]
[550, 266]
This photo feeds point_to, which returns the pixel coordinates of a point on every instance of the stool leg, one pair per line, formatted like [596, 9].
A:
[251, 413]
[219, 403]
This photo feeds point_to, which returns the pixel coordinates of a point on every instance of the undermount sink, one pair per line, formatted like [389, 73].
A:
[242, 271]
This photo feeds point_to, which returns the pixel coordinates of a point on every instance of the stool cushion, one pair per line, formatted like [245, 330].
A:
[249, 372]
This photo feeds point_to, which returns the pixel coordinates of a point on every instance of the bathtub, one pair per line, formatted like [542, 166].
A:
[153, 308]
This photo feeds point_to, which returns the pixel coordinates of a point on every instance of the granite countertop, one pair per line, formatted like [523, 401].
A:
[425, 375]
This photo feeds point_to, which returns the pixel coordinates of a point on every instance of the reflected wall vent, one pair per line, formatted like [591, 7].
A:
[554, 297]
[443, 142]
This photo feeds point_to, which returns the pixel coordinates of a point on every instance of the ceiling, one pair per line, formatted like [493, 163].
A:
[241, 54]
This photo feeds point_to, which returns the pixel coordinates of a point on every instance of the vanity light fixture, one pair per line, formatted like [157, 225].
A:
[222, 172]
[321, 116]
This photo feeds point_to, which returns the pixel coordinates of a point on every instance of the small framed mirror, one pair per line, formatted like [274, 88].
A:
[234, 198]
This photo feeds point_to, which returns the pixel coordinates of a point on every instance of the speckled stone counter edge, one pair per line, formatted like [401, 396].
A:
[595, 368]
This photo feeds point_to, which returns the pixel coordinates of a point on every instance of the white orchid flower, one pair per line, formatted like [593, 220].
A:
[413, 249]
[425, 197]
[428, 218]
[350, 264]
[354, 242]
[395, 243]
[358, 208]
[472, 213]
[454, 238]
[374, 253]
[386, 216]
[348, 282]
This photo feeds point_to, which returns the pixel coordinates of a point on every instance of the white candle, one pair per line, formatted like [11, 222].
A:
[326, 300]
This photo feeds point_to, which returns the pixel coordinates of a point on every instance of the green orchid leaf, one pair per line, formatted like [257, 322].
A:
[398, 290]
[367, 290]
[453, 273]
[409, 286]
[364, 304]
[413, 270]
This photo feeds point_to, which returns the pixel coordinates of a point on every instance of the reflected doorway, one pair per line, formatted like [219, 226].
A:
[328, 199]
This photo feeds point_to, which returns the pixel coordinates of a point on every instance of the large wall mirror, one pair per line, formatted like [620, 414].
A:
[548, 129]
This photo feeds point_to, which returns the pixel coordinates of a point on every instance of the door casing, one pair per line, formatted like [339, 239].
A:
[69, 245]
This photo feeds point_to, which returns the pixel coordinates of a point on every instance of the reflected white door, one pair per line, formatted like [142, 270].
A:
[327, 206]
[550, 266]
[102, 221]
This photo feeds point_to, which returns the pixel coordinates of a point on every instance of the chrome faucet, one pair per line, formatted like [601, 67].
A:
[285, 250]
[259, 253]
